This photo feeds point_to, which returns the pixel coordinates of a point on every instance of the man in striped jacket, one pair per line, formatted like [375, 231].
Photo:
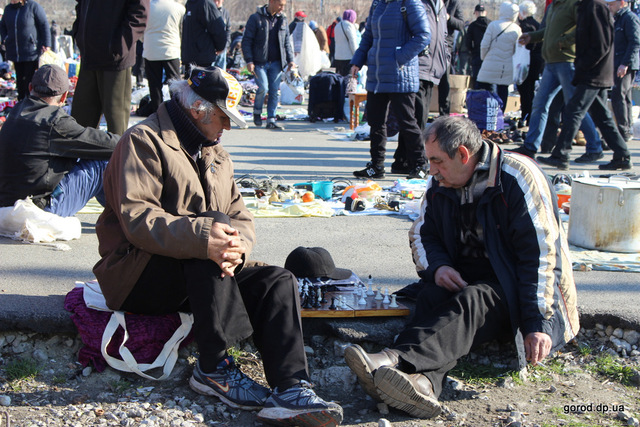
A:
[492, 256]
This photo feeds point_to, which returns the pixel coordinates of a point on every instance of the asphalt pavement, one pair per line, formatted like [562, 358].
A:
[34, 278]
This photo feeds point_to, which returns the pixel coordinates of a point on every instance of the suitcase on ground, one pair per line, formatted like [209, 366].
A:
[326, 96]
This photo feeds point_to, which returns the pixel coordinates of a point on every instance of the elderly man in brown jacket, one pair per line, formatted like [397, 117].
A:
[176, 236]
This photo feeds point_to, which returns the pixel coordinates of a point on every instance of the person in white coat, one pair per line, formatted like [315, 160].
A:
[497, 49]
[347, 40]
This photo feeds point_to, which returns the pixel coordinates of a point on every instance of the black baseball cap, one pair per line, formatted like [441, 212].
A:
[314, 263]
[220, 88]
[479, 8]
[50, 80]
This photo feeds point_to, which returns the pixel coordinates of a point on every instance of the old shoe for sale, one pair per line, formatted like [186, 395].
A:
[364, 365]
[411, 393]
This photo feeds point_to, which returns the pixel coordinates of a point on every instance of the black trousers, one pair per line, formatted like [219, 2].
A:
[554, 119]
[423, 99]
[527, 90]
[621, 102]
[446, 325]
[403, 105]
[24, 73]
[593, 100]
[444, 102]
[154, 69]
[225, 310]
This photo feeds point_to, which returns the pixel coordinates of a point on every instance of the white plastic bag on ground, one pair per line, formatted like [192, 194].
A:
[291, 95]
[292, 88]
[25, 221]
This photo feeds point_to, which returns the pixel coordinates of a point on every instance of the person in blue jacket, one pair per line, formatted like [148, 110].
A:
[25, 33]
[395, 33]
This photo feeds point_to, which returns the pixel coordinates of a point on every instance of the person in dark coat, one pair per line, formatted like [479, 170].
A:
[221, 56]
[474, 36]
[527, 89]
[60, 165]
[491, 254]
[106, 34]
[626, 44]
[55, 32]
[592, 79]
[204, 33]
[267, 48]
[24, 30]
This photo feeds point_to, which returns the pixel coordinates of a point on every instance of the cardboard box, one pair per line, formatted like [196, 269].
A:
[513, 104]
[457, 94]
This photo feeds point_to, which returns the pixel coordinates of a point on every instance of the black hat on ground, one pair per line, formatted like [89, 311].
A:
[314, 263]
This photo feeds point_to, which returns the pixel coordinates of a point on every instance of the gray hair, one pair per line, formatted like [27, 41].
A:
[186, 97]
[528, 8]
[451, 132]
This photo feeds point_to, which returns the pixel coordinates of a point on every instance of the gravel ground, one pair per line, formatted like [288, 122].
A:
[581, 387]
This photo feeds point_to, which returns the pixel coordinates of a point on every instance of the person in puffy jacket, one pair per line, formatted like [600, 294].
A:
[395, 33]
[496, 51]
[25, 33]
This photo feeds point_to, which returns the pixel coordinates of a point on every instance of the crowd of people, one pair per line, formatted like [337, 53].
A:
[488, 246]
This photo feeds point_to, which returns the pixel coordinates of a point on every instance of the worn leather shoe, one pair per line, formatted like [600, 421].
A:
[364, 365]
[257, 120]
[554, 161]
[411, 393]
[274, 126]
[615, 164]
[589, 157]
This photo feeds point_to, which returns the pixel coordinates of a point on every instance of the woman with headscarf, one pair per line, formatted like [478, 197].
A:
[347, 40]
[496, 51]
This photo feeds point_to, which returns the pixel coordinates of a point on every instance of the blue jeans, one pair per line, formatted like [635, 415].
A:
[221, 60]
[556, 76]
[268, 77]
[82, 183]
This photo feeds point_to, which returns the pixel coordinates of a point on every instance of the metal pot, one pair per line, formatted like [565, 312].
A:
[605, 214]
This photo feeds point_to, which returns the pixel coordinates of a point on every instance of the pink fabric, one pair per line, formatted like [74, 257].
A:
[147, 334]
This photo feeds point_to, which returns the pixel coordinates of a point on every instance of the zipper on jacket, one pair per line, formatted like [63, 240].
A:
[378, 51]
[15, 30]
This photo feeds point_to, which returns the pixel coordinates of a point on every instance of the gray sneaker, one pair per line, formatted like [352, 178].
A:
[230, 385]
[300, 406]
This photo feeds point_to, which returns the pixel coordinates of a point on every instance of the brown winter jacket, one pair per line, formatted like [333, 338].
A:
[153, 194]
[323, 40]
